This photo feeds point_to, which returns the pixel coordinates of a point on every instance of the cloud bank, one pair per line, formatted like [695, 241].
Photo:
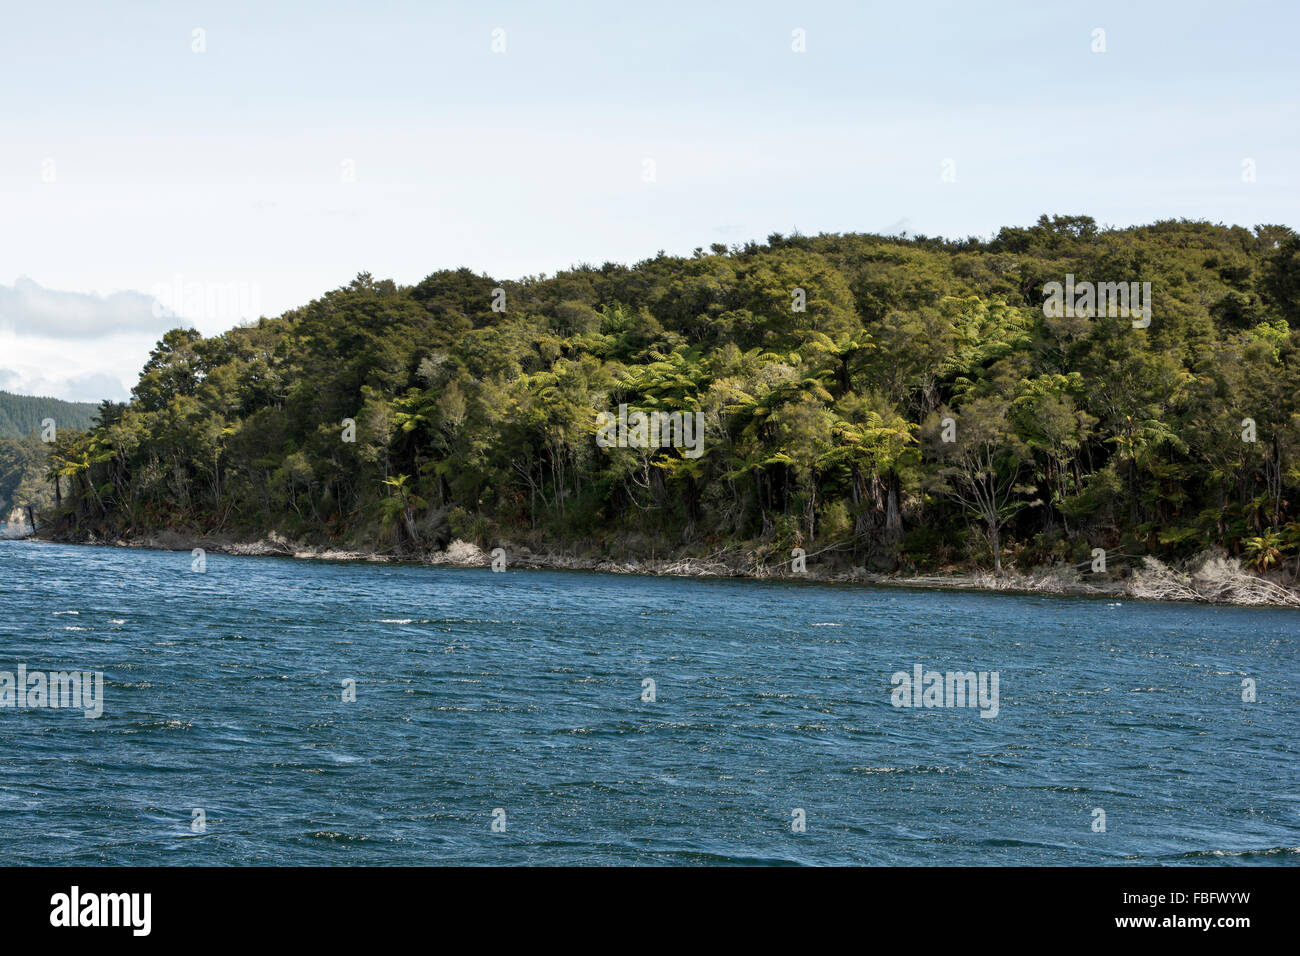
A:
[28, 309]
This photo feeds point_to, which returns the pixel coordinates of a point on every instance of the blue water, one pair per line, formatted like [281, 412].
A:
[522, 692]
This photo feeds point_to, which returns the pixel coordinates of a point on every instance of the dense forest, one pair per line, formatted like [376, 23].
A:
[21, 415]
[900, 403]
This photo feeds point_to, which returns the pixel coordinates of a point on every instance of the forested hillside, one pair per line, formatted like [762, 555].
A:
[23, 457]
[21, 415]
[475, 403]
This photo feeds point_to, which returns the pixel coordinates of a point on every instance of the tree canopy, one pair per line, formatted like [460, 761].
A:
[824, 368]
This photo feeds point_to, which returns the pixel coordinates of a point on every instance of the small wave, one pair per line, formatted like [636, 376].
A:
[917, 769]
[57, 613]
[164, 724]
[1008, 842]
[710, 858]
[825, 624]
[333, 836]
[1269, 851]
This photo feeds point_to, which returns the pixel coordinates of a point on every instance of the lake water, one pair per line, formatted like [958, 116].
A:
[524, 693]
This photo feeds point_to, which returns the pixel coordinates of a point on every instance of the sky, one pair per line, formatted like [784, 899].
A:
[207, 163]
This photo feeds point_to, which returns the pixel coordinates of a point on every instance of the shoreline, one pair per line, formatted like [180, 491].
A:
[1217, 581]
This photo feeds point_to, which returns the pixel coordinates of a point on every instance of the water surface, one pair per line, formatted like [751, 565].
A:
[523, 692]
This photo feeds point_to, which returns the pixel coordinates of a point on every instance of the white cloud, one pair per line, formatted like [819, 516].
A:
[84, 386]
[73, 369]
[93, 387]
[28, 309]
[77, 346]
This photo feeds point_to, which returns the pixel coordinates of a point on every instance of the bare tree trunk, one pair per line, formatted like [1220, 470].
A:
[893, 517]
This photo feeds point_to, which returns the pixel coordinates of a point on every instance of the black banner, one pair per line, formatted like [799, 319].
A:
[909, 906]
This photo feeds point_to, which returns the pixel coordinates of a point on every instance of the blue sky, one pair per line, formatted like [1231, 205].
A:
[308, 142]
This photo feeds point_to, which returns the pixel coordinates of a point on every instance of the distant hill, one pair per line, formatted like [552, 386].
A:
[20, 415]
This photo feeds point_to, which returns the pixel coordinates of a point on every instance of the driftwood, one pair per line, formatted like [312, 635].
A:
[1213, 578]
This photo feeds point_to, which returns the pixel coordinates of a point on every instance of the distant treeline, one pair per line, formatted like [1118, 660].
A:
[21, 415]
[23, 458]
[904, 401]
